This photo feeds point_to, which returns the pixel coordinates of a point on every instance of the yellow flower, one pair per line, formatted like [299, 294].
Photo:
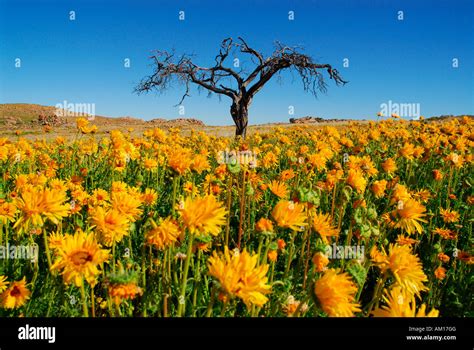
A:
[98, 197]
[408, 216]
[127, 205]
[190, 189]
[149, 196]
[78, 258]
[58, 184]
[200, 163]
[407, 151]
[119, 186]
[379, 258]
[290, 215]
[405, 267]
[16, 295]
[84, 127]
[110, 225]
[203, 215]
[55, 240]
[318, 161]
[400, 194]
[389, 166]
[3, 283]
[356, 180]
[378, 188]
[279, 189]
[36, 204]
[7, 212]
[30, 204]
[164, 234]
[81, 122]
[422, 195]
[322, 224]
[54, 207]
[150, 164]
[336, 294]
[455, 160]
[269, 160]
[239, 276]
[363, 164]
[180, 159]
[400, 303]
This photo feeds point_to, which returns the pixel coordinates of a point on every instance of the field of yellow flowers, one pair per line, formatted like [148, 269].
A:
[361, 220]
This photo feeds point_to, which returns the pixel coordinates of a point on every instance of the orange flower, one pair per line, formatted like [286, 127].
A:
[445, 233]
[402, 240]
[264, 225]
[437, 175]
[123, 291]
[389, 166]
[272, 255]
[443, 257]
[281, 244]
[449, 215]
[320, 261]
[287, 175]
[440, 273]
[465, 257]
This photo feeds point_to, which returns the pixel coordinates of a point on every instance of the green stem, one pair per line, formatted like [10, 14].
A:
[211, 302]
[182, 295]
[224, 307]
[113, 257]
[229, 201]
[84, 300]
[197, 281]
[290, 255]
[93, 301]
[259, 249]
[242, 211]
[46, 246]
[173, 198]
[377, 294]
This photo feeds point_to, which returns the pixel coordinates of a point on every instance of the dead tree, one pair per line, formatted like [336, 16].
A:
[240, 86]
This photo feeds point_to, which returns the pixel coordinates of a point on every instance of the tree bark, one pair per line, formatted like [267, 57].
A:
[240, 115]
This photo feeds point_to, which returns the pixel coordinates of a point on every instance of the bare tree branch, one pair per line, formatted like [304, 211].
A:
[169, 69]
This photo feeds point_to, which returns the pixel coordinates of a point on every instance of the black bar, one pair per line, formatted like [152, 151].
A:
[369, 332]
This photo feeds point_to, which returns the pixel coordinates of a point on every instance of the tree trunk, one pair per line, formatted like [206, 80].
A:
[240, 115]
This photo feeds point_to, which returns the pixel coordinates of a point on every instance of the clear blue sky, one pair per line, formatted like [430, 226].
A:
[81, 61]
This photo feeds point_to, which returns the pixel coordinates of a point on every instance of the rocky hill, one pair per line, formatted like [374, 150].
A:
[23, 115]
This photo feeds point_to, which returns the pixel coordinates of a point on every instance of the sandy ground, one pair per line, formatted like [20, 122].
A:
[70, 131]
